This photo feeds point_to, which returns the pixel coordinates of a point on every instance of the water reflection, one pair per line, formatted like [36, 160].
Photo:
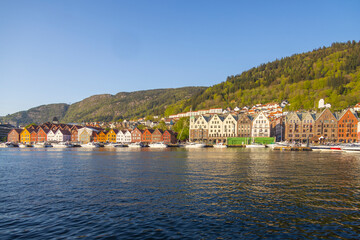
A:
[178, 193]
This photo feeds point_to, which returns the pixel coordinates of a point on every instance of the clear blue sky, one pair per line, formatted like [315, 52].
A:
[65, 51]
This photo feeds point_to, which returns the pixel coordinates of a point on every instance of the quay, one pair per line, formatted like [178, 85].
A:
[293, 148]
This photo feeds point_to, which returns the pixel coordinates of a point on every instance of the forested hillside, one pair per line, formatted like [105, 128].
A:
[332, 73]
[127, 105]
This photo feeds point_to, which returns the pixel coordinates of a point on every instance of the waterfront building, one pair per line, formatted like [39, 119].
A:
[146, 137]
[216, 129]
[75, 133]
[157, 136]
[347, 127]
[42, 134]
[199, 128]
[260, 126]
[278, 128]
[169, 137]
[62, 135]
[136, 135]
[230, 126]
[25, 136]
[51, 136]
[33, 136]
[120, 136]
[244, 124]
[326, 127]
[14, 135]
[112, 135]
[87, 134]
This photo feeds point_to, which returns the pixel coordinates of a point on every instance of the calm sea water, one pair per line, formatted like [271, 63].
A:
[178, 194]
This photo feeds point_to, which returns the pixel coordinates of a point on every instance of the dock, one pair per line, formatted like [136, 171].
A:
[293, 148]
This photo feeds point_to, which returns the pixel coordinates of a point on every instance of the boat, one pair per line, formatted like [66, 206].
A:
[158, 145]
[195, 145]
[136, 145]
[22, 145]
[114, 145]
[90, 145]
[255, 145]
[219, 145]
[42, 145]
[62, 145]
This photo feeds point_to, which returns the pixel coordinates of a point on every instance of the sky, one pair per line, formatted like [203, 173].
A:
[65, 51]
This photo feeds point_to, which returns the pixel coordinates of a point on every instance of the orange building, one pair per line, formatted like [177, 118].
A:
[347, 127]
[101, 137]
[42, 134]
[147, 136]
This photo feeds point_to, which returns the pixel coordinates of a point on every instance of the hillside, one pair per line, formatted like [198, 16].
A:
[332, 73]
[40, 114]
[127, 105]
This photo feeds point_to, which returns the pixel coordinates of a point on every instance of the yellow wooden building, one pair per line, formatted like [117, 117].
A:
[25, 136]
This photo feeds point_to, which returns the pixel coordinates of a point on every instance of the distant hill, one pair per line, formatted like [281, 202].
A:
[106, 107]
[40, 114]
[127, 105]
[332, 73]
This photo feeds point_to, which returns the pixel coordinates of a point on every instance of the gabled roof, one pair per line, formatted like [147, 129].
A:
[326, 109]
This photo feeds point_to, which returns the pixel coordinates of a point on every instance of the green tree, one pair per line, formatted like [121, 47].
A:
[182, 128]
[161, 125]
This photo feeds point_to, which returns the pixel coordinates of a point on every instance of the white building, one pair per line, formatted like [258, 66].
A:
[216, 126]
[62, 136]
[123, 136]
[229, 126]
[51, 136]
[260, 126]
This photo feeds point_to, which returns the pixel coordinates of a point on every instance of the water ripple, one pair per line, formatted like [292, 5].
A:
[178, 194]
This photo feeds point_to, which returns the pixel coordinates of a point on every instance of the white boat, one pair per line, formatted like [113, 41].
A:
[62, 145]
[158, 145]
[90, 145]
[219, 145]
[42, 145]
[22, 145]
[255, 145]
[114, 145]
[195, 145]
[136, 145]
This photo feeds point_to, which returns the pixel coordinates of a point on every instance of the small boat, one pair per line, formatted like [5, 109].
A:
[42, 145]
[219, 145]
[255, 145]
[136, 145]
[22, 145]
[336, 148]
[62, 145]
[158, 145]
[90, 145]
[114, 145]
[195, 145]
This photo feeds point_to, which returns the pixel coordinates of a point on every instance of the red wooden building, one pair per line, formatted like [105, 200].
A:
[14, 135]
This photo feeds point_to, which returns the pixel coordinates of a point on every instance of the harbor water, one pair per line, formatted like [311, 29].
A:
[178, 194]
